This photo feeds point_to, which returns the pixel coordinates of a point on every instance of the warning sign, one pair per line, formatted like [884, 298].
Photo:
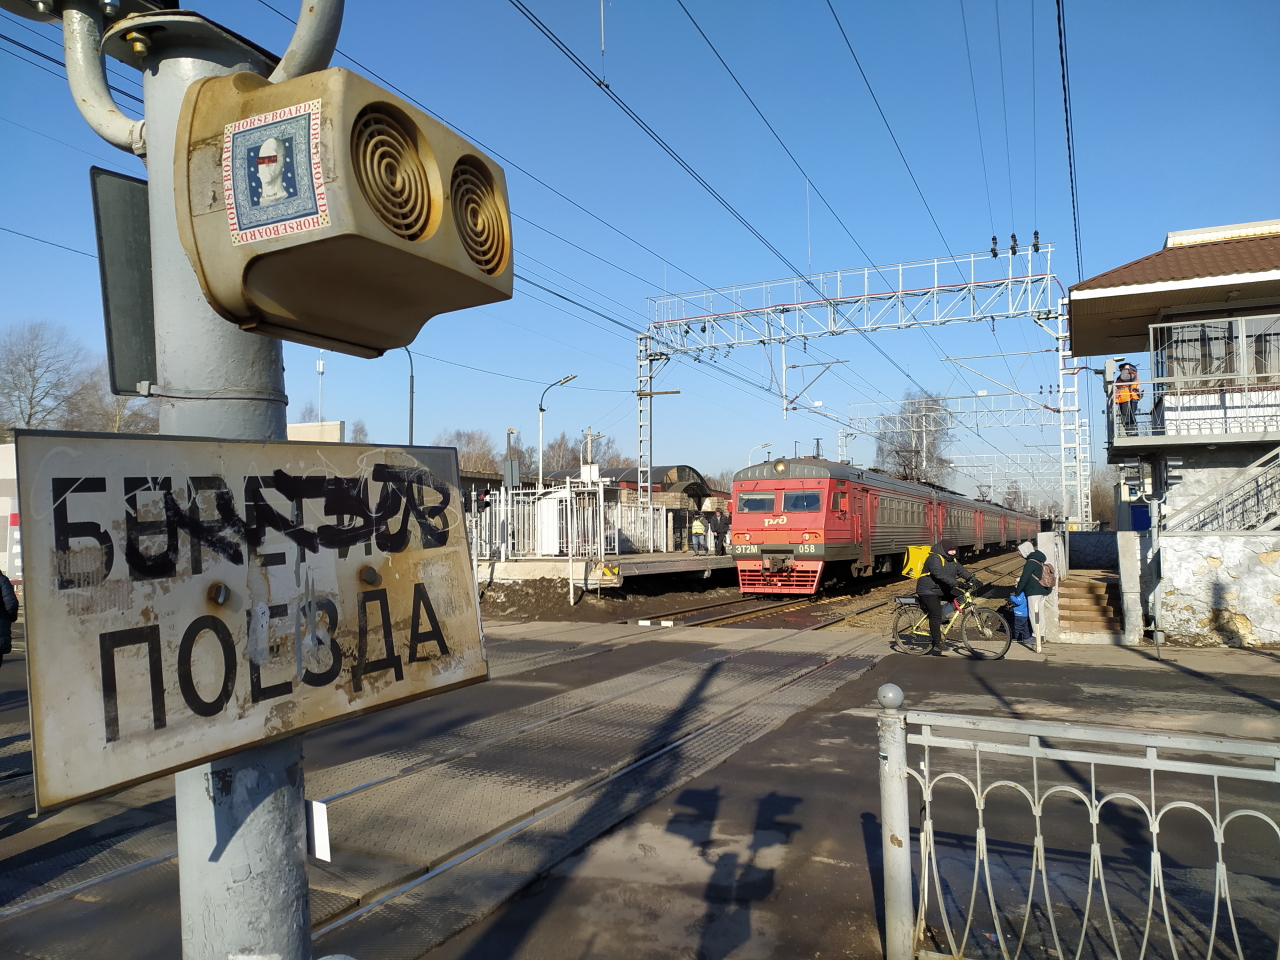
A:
[188, 598]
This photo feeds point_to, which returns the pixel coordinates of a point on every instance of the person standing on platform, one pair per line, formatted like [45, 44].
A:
[1037, 582]
[720, 530]
[699, 534]
[1128, 391]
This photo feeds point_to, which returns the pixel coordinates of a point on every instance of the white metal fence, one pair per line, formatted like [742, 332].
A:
[560, 522]
[1050, 839]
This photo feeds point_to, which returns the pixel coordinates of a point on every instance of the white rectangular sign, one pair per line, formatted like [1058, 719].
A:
[188, 598]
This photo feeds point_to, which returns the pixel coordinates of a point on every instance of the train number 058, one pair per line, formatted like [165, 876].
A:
[806, 548]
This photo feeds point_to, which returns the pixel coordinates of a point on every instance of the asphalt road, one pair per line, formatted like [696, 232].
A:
[776, 853]
[771, 851]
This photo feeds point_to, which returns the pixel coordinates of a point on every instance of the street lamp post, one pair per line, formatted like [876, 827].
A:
[410, 356]
[541, 411]
[758, 446]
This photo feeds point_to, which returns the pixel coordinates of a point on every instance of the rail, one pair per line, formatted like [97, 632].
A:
[1111, 867]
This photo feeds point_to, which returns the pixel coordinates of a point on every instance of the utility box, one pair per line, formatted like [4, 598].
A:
[327, 211]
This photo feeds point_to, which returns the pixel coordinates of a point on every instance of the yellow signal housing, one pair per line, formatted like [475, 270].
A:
[327, 211]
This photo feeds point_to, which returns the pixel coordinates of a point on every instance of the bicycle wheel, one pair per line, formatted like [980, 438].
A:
[906, 622]
[986, 634]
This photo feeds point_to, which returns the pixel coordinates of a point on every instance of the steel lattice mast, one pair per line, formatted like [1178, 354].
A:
[963, 289]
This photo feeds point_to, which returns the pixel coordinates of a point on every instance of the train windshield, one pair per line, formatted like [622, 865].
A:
[755, 502]
[801, 501]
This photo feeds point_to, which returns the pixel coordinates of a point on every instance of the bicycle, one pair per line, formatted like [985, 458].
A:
[985, 634]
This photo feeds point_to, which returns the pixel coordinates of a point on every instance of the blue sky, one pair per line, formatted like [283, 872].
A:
[1174, 106]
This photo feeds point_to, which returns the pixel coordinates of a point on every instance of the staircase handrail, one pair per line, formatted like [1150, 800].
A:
[1223, 489]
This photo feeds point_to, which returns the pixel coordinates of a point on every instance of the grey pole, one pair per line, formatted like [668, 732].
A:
[895, 827]
[241, 820]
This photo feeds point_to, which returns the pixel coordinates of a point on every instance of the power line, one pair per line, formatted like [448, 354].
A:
[28, 236]
[765, 120]
[1004, 111]
[876, 100]
[507, 376]
[1071, 150]
[54, 60]
[671, 152]
[977, 117]
[506, 160]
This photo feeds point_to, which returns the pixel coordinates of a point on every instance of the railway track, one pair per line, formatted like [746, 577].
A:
[753, 611]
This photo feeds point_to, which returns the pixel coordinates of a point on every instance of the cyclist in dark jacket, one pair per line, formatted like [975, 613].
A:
[943, 575]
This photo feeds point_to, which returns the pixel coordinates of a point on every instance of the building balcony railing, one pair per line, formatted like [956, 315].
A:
[1240, 409]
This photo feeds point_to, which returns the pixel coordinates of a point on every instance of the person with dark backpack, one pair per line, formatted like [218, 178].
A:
[8, 614]
[1037, 582]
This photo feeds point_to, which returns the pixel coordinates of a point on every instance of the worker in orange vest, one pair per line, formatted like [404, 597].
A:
[1128, 391]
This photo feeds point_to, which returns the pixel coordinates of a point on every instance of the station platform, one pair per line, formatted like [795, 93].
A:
[594, 572]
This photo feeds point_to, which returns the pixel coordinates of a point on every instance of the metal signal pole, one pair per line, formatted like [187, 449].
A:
[241, 819]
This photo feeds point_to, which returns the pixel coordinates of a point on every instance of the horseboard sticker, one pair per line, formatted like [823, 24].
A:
[190, 598]
[271, 177]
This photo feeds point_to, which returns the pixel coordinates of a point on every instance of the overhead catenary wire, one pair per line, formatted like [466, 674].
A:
[500, 156]
[577, 61]
[889, 127]
[1004, 112]
[1071, 150]
[809, 184]
[977, 118]
[54, 60]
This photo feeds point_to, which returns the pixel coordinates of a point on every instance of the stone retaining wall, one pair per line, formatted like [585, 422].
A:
[1093, 550]
[1220, 588]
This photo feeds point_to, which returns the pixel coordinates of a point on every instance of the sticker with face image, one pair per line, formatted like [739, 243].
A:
[271, 176]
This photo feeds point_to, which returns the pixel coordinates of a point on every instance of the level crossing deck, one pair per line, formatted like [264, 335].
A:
[583, 726]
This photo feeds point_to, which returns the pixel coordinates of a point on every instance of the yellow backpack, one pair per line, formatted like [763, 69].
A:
[916, 556]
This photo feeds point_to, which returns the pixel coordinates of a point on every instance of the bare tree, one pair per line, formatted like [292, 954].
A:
[359, 432]
[94, 407]
[1102, 492]
[560, 453]
[308, 413]
[41, 367]
[720, 481]
[604, 450]
[912, 443]
[477, 450]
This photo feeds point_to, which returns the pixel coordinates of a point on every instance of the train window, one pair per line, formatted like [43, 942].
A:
[838, 498]
[755, 502]
[801, 501]
[841, 483]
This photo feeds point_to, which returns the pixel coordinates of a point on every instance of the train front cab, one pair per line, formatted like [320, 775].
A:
[785, 525]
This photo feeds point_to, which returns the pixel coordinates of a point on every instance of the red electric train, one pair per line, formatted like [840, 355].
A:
[795, 519]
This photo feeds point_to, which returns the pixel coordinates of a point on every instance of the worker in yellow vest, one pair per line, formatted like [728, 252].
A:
[1128, 391]
[699, 531]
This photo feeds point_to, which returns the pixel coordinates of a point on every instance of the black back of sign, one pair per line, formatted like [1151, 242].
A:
[121, 218]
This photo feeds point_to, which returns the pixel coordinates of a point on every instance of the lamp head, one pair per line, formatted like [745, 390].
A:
[561, 382]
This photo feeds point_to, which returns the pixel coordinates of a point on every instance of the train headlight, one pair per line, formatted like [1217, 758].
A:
[746, 536]
[806, 536]
[780, 466]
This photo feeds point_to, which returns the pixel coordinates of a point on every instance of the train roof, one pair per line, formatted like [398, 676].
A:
[815, 468]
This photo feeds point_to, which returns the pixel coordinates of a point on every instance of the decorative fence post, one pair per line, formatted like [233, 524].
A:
[895, 827]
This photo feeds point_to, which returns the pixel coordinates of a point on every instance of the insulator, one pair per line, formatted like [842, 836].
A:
[1035, 242]
[995, 249]
[1013, 244]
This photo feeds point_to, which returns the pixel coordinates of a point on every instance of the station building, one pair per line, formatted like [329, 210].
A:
[1198, 547]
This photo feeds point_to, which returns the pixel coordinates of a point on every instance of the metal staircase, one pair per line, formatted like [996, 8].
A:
[1249, 500]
